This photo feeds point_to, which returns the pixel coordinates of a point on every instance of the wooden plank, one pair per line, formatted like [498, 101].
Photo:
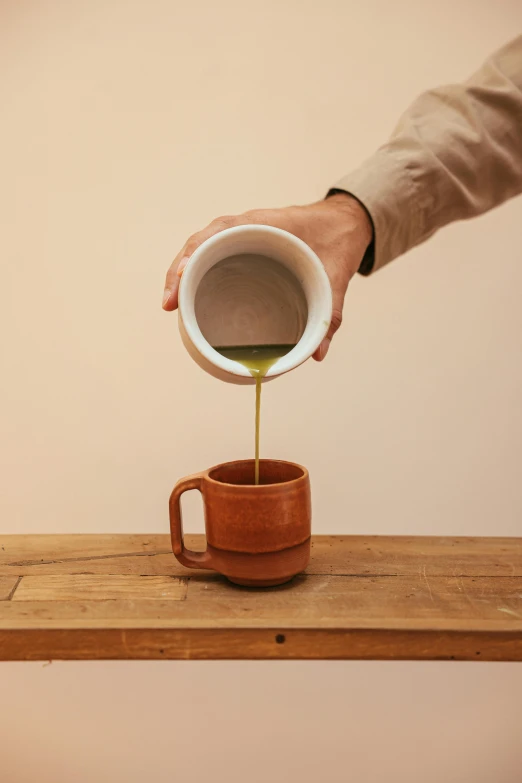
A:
[37, 547]
[441, 603]
[23, 555]
[407, 555]
[351, 602]
[93, 588]
[151, 555]
[8, 585]
[98, 597]
[258, 644]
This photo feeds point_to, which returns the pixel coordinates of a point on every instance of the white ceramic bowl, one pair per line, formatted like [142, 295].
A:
[253, 285]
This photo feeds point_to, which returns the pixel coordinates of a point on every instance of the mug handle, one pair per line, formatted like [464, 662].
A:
[185, 556]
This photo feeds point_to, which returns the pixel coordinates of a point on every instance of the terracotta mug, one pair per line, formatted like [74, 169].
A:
[257, 535]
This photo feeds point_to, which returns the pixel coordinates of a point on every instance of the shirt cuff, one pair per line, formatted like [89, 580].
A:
[385, 188]
[366, 265]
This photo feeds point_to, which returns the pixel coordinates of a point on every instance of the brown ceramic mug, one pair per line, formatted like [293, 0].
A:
[257, 535]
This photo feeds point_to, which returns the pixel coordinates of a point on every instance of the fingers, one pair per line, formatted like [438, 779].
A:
[337, 318]
[288, 219]
[170, 294]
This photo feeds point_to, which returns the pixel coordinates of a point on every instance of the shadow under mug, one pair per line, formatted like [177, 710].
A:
[257, 535]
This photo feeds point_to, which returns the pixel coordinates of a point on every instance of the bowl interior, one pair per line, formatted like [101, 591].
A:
[250, 300]
[290, 302]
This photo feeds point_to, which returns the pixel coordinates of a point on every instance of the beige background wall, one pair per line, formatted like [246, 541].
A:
[124, 127]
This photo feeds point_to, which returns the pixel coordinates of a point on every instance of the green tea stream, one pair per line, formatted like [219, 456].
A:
[258, 359]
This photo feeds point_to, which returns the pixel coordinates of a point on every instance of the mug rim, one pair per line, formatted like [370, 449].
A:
[301, 352]
[303, 477]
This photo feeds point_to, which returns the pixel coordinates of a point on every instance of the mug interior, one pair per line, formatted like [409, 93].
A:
[271, 471]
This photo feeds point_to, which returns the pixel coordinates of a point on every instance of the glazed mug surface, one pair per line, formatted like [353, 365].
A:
[257, 535]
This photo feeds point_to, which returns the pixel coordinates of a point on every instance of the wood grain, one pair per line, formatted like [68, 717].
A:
[103, 597]
[407, 555]
[257, 644]
[310, 602]
[8, 585]
[88, 587]
[93, 554]
[334, 555]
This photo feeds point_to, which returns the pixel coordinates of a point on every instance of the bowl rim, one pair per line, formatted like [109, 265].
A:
[304, 348]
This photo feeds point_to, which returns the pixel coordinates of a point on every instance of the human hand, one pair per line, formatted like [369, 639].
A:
[337, 229]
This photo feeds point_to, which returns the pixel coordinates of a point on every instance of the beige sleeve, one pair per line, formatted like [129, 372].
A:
[456, 153]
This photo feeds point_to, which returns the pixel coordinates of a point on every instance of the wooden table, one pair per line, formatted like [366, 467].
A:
[125, 596]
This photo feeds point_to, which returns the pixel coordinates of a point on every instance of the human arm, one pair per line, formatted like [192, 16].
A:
[455, 153]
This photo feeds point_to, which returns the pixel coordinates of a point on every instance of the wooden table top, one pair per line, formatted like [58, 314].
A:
[126, 597]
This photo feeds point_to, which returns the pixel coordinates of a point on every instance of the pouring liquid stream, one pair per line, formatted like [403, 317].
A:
[258, 359]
